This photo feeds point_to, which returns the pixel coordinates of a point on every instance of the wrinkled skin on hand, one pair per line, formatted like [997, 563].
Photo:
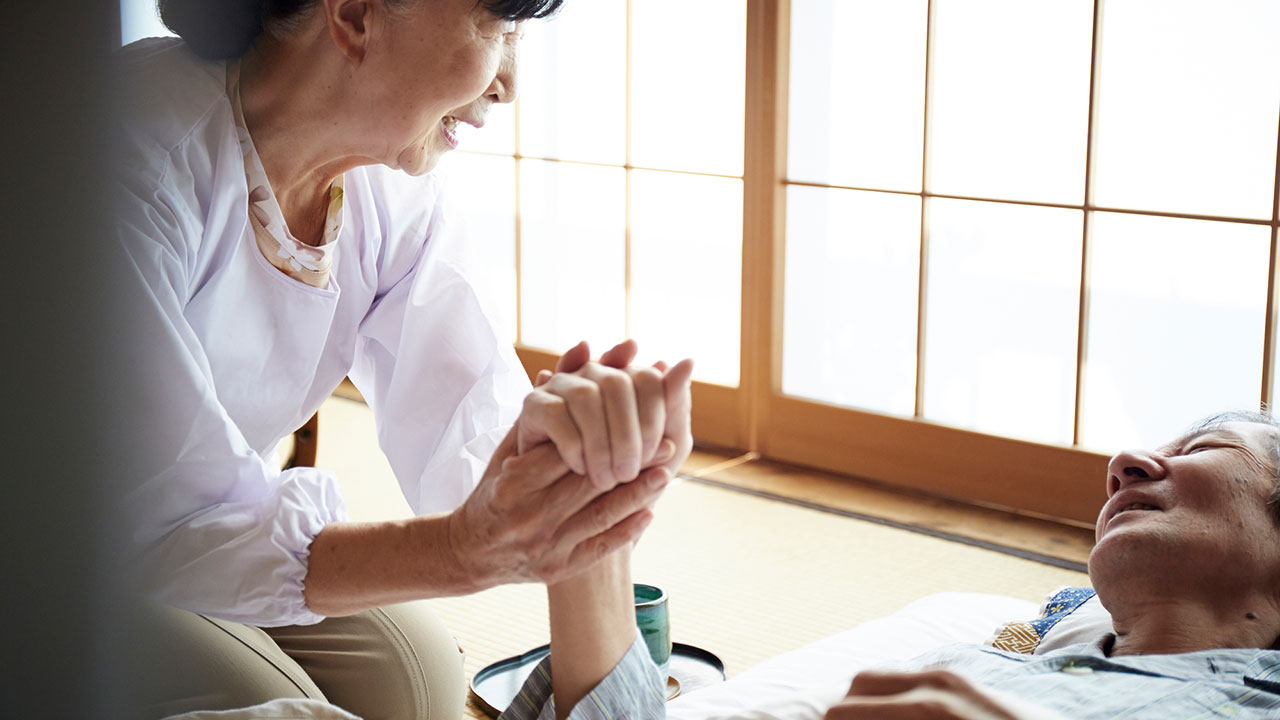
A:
[530, 520]
[532, 517]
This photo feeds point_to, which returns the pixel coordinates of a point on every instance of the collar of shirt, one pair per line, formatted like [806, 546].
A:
[1256, 667]
[305, 263]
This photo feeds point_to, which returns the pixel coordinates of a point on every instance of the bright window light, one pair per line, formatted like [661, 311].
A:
[1011, 99]
[140, 19]
[1187, 106]
[573, 91]
[1176, 326]
[688, 68]
[686, 273]
[1003, 304]
[852, 279]
[572, 254]
[857, 93]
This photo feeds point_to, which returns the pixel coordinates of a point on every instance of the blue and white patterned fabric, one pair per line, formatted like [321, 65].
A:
[633, 690]
[1078, 682]
[1024, 636]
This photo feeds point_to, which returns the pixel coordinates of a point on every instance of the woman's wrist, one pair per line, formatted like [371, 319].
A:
[352, 567]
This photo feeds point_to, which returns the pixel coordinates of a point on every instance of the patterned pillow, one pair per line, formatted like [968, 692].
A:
[1070, 615]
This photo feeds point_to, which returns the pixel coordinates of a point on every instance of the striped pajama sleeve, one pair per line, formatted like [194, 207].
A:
[631, 691]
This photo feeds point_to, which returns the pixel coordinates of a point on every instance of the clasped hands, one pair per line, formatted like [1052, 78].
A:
[594, 447]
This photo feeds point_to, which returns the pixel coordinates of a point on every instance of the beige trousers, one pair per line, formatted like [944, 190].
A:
[392, 663]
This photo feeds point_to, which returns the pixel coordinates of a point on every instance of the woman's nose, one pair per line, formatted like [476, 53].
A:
[505, 85]
[1132, 466]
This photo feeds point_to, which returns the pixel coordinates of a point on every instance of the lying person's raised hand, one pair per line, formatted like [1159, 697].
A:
[927, 695]
[531, 519]
[608, 419]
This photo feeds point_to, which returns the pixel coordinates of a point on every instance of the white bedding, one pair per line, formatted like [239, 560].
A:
[803, 683]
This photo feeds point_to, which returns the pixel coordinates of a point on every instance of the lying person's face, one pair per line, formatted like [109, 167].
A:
[1196, 508]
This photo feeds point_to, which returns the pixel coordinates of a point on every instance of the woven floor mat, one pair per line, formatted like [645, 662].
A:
[748, 577]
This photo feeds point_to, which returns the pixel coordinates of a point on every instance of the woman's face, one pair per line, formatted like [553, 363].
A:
[430, 66]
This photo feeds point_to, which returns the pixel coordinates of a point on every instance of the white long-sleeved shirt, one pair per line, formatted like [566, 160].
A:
[236, 355]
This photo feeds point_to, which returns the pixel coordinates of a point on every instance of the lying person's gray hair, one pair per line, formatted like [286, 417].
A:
[1251, 416]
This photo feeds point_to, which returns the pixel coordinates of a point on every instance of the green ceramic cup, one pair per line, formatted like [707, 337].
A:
[654, 623]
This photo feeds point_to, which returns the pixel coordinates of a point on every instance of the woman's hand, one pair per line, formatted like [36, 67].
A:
[530, 519]
[608, 419]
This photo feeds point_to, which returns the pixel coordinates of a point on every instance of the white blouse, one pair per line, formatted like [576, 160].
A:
[237, 354]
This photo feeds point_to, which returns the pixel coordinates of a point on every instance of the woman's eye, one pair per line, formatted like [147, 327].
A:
[1197, 448]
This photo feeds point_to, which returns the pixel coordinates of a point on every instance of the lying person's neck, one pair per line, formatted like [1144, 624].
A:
[1165, 625]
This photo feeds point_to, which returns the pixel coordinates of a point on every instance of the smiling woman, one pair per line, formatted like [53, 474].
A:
[278, 207]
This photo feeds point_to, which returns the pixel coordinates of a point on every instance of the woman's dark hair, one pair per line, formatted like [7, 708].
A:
[521, 9]
[226, 29]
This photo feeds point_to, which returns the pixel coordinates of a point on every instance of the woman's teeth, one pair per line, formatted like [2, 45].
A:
[450, 123]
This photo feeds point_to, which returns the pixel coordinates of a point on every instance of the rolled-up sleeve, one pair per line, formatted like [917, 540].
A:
[216, 529]
[633, 690]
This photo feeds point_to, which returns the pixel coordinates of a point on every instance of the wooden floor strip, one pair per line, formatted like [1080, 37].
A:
[941, 535]
[1058, 544]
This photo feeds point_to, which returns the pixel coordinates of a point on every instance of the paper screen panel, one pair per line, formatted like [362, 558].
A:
[573, 270]
[688, 74]
[1010, 104]
[852, 279]
[1003, 309]
[857, 93]
[573, 89]
[1176, 326]
[686, 275]
[1187, 107]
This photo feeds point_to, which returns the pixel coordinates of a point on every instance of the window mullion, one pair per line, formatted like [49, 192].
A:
[922, 289]
[764, 217]
[1273, 312]
[1082, 325]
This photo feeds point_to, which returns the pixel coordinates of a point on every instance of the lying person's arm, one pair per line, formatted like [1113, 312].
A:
[593, 628]
[599, 667]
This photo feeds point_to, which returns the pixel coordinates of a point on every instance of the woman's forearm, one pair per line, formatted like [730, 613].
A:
[592, 626]
[356, 566]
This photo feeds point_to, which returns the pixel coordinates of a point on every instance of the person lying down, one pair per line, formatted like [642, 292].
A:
[1187, 561]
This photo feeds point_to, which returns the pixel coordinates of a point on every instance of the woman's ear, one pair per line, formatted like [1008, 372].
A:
[348, 22]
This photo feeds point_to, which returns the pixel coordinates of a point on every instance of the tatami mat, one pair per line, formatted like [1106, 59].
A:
[748, 577]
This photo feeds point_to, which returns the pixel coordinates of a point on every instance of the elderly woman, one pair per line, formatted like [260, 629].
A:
[279, 210]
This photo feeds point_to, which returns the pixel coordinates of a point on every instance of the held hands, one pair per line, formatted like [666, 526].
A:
[531, 520]
[928, 695]
[573, 480]
[606, 418]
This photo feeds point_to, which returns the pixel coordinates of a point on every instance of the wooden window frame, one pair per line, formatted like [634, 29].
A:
[1061, 483]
